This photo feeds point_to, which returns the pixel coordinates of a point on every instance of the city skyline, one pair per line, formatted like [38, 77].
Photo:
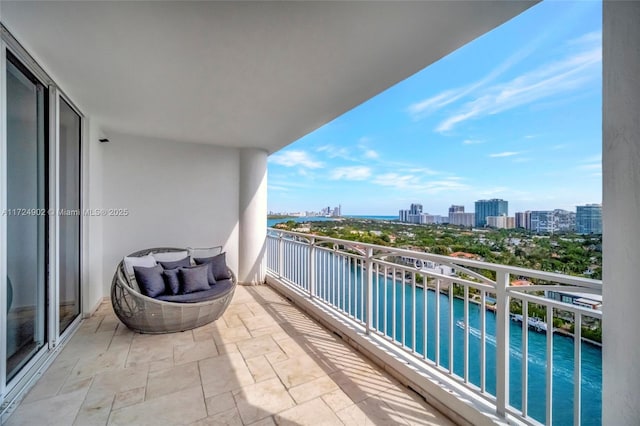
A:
[522, 123]
[417, 208]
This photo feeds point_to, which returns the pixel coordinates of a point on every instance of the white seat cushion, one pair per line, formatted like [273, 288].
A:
[204, 252]
[170, 256]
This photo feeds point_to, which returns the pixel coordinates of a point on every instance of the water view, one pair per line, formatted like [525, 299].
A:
[563, 348]
[341, 286]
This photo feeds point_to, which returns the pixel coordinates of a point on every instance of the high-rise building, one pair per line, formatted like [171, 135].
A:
[589, 219]
[415, 209]
[413, 215]
[462, 219]
[523, 220]
[564, 221]
[542, 221]
[456, 209]
[493, 207]
[453, 210]
[501, 222]
[427, 218]
[552, 221]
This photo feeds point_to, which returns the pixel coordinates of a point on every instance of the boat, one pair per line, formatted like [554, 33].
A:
[534, 322]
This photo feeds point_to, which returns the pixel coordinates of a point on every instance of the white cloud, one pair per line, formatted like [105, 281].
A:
[294, 159]
[423, 108]
[351, 173]
[371, 154]
[471, 142]
[592, 164]
[451, 184]
[595, 166]
[410, 182]
[591, 38]
[423, 170]
[396, 180]
[335, 152]
[504, 154]
[493, 191]
[549, 80]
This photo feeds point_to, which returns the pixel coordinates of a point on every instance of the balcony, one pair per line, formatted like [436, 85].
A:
[449, 326]
[188, 100]
[264, 361]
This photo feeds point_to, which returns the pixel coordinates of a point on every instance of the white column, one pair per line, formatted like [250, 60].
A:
[253, 215]
[621, 213]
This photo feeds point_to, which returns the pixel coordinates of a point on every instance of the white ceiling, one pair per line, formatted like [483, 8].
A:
[252, 74]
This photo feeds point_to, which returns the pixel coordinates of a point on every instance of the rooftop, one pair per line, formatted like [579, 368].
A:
[264, 362]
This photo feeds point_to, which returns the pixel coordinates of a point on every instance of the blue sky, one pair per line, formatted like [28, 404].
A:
[515, 114]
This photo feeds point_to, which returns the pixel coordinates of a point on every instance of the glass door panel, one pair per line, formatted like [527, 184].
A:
[26, 215]
[69, 219]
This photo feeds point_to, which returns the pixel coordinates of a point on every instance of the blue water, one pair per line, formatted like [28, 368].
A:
[335, 284]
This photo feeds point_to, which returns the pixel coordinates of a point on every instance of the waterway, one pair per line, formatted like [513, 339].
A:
[335, 284]
[563, 346]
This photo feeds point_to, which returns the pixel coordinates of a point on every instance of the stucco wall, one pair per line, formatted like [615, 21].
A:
[621, 204]
[177, 194]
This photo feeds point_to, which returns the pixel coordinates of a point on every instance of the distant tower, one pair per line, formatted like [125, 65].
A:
[542, 221]
[493, 207]
[523, 219]
[456, 209]
[589, 219]
[415, 213]
[453, 217]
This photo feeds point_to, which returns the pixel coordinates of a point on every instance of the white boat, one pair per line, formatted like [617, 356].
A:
[533, 322]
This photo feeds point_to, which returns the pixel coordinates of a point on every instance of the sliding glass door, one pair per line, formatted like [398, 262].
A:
[26, 201]
[69, 214]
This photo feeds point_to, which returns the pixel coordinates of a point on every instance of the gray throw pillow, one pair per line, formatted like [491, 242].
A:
[150, 280]
[129, 262]
[194, 278]
[172, 280]
[218, 265]
[176, 264]
[210, 275]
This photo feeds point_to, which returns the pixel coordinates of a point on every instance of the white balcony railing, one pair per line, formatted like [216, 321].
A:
[462, 317]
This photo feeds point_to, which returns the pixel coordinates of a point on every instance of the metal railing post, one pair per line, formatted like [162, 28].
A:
[280, 255]
[312, 268]
[502, 343]
[369, 290]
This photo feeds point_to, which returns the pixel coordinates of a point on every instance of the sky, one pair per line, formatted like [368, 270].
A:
[515, 114]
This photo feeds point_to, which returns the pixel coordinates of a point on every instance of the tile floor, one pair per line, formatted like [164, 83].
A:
[263, 363]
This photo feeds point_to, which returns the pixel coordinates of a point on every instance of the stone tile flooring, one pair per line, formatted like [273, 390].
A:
[264, 362]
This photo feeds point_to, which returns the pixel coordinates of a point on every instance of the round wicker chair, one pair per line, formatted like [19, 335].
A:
[151, 316]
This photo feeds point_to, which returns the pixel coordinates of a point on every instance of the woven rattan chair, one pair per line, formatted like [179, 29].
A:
[148, 315]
